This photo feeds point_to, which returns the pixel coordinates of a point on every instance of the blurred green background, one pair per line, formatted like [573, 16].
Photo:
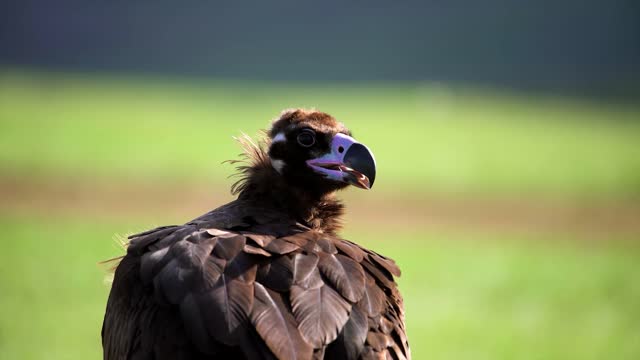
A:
[507, 138]
[514, 219]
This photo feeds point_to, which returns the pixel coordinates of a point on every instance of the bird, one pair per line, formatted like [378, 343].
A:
[265, 276]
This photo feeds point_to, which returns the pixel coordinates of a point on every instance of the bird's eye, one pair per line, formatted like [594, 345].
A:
[307, 138]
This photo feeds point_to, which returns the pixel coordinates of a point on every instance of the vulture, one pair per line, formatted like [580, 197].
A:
[265, 276]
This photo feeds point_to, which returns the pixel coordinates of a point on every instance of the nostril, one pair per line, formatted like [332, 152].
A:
[340, 149]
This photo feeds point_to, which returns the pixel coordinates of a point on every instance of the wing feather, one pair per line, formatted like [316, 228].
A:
[321, 313]
[226, 308]
[386, 263]
[278, 274]
[151, 263]
[194, 321]
[304, 265]
[346, 275]
[381, 276]
[275, 325]
[351, 250]
[373, 298]
[350, 342]
[261, 239]
[281, 247]
[139, 242]
[228, 247]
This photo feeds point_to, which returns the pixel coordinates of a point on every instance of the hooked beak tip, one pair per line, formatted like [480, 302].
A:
[362, 165]
[358, 179]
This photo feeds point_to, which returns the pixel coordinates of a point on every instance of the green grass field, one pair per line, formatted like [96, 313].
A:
[425, 138]
[468, 296]
[469, 293]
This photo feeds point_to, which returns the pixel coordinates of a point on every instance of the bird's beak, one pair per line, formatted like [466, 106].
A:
[348, 161]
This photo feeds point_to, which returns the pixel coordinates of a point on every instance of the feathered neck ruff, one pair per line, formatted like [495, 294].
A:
[260, 184]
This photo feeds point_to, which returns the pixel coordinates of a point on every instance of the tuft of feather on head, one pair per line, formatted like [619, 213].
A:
[253, 158]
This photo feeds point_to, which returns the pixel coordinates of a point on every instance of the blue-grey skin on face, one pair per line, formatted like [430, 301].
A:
[348, 161]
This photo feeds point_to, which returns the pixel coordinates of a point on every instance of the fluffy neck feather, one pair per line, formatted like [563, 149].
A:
[261, 184]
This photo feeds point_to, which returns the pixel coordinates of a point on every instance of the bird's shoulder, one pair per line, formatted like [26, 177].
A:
[238, 270]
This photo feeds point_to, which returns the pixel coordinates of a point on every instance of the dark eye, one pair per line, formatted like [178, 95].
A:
[307, 138]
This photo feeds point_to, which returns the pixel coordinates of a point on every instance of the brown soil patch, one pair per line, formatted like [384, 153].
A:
[180, 201]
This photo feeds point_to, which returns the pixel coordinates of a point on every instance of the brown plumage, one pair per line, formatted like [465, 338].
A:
[265, 276]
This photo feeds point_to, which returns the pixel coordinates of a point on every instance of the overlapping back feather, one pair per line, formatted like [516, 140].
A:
[306, 295]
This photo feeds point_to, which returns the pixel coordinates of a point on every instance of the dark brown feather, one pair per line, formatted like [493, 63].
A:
[346, 275]
[301, 238]
[152, 262]
[277, 274]
[373, 298]
[227, 307]
[281, 247]
[326, 245]
[350, 342]
[321, 313]
[139, 242]
[304, 266]
[275, 324]
[261, 239]
[382, 276]
[228, 247]
[250, 249]
[386, 263]
[350, 250]
[195, 324]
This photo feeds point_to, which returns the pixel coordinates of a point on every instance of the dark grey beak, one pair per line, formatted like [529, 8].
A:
[361, 161]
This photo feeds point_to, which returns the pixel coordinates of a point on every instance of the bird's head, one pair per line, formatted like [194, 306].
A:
[310, 149]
